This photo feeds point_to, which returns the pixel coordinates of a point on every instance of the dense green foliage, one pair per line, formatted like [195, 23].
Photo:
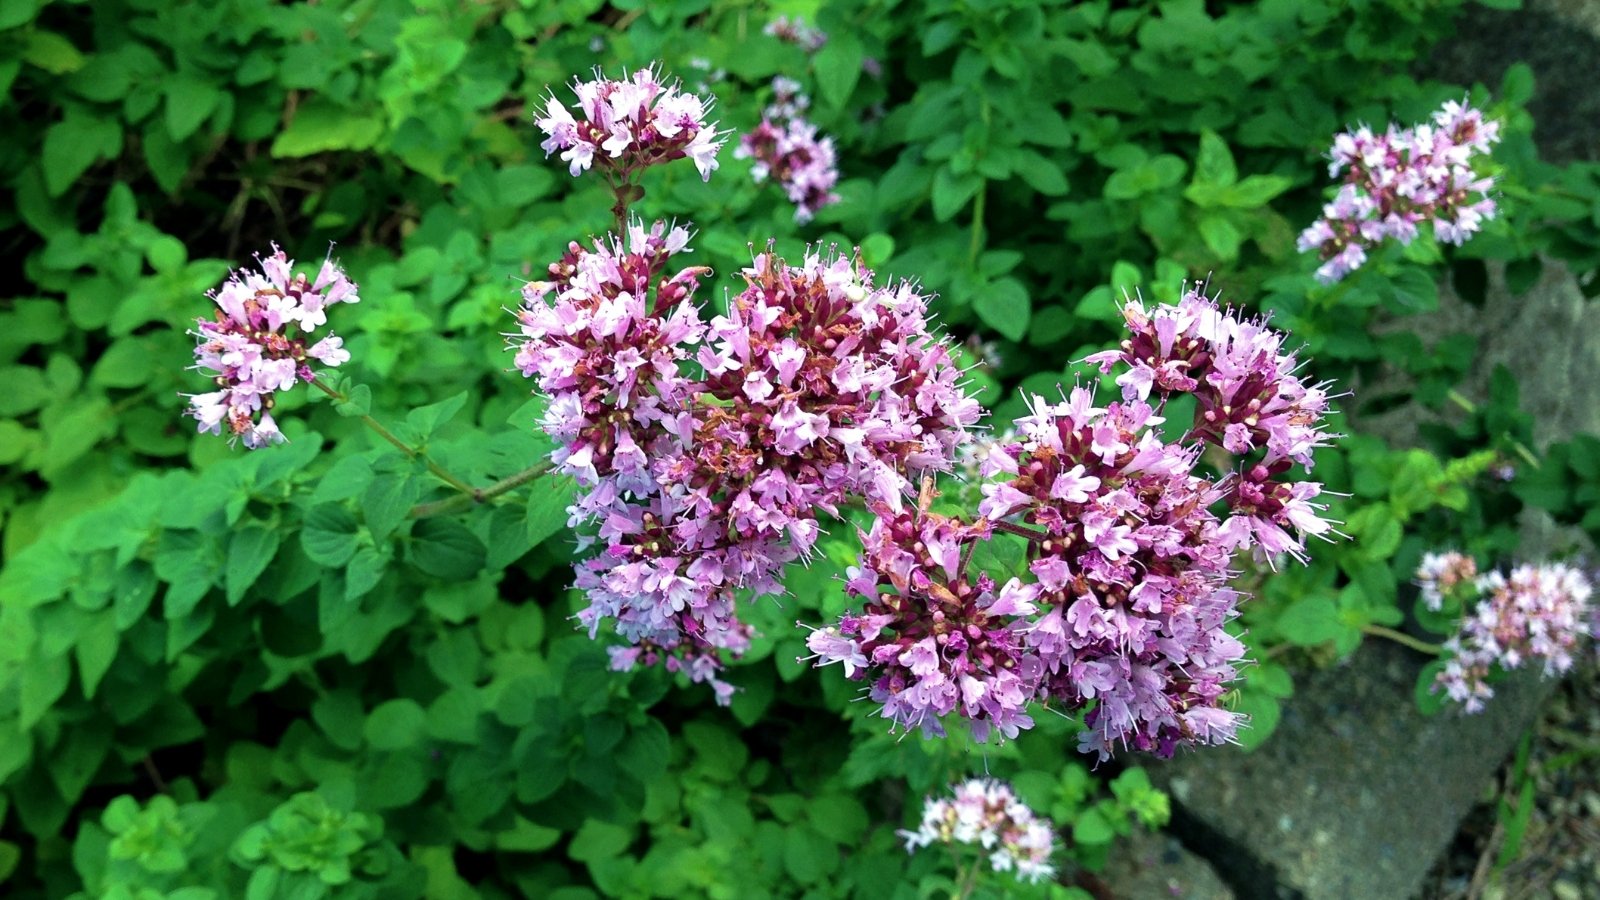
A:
[229, 674]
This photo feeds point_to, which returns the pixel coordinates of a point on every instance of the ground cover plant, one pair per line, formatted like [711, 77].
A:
[592, 489]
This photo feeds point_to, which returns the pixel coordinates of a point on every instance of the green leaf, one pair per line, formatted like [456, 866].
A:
[547, 508]
[395, 725]
[95, 650]
[597, 840]
[188, 561]
[1040, 173]
[43, 681]
[838, 67]
[1254, 191]
[74, 144]
[320, 125]
[842, 818]
[425, 421]
[1516, 86]
[445, 548]
[951, 192]
[387, 500]
[357, 402]
[250, 550]
[1311, 620]
[329, 535]
[1092, 827]
[363, 573]
[1004, 306]
[51, 52]
[1221, 236]
[809, 856]
[1214, 165]
[1430, 701]
[190, 99]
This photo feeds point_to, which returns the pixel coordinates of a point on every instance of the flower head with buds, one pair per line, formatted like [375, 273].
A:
[631, 123]
[786, 148]
[814, 388]
[257, 344]
[1399, 180]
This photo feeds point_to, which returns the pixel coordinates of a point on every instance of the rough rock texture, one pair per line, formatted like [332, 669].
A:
[1157, 866]
[1558, 40]
[1357, 793]
[1549, 336]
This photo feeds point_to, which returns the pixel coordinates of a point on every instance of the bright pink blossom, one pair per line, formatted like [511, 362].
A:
[256, 344]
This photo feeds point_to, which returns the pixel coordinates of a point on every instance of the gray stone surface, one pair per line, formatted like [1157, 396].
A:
[1549, 337]
[1560, 42]
[1357, 793]
[1147, 865]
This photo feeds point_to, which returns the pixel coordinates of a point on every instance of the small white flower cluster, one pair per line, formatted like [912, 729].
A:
[988, 814]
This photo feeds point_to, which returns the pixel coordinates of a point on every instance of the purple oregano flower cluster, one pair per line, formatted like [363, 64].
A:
[706, 449]
[630, 123]
[706, 446]
[1535, 612]
[987, 814]
[1395, 181]
[786, 148]
[1128, 596]
[256, 345]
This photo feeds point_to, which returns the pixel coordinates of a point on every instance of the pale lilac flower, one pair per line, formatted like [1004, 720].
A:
[1398, 180]
[630, 123]
[987, 815]
[256, 344]
[1441, 574]
[796, 31]
[786, 148]
[1536, 612]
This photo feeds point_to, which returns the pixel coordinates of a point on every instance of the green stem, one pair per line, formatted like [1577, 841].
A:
[476, 496]
[977, 224]
[1471, 408]
[979, 202]
[402, 446]
[1404, 639]
[968, 881]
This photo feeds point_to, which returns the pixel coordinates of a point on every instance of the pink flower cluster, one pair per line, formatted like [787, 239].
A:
[631, 123]
[786, 148]
[815, 387]
[988, 815]
[1538, 612]
[1398, 180]
[942, 640]
[1441, 575]
[1128, 598]
[256, 345]
[795, 31]
[1248, 401]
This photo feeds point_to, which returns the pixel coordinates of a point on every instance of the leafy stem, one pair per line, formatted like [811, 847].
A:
[1471, 408]
[410, 451]
[1404, 639]
[476, 496]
